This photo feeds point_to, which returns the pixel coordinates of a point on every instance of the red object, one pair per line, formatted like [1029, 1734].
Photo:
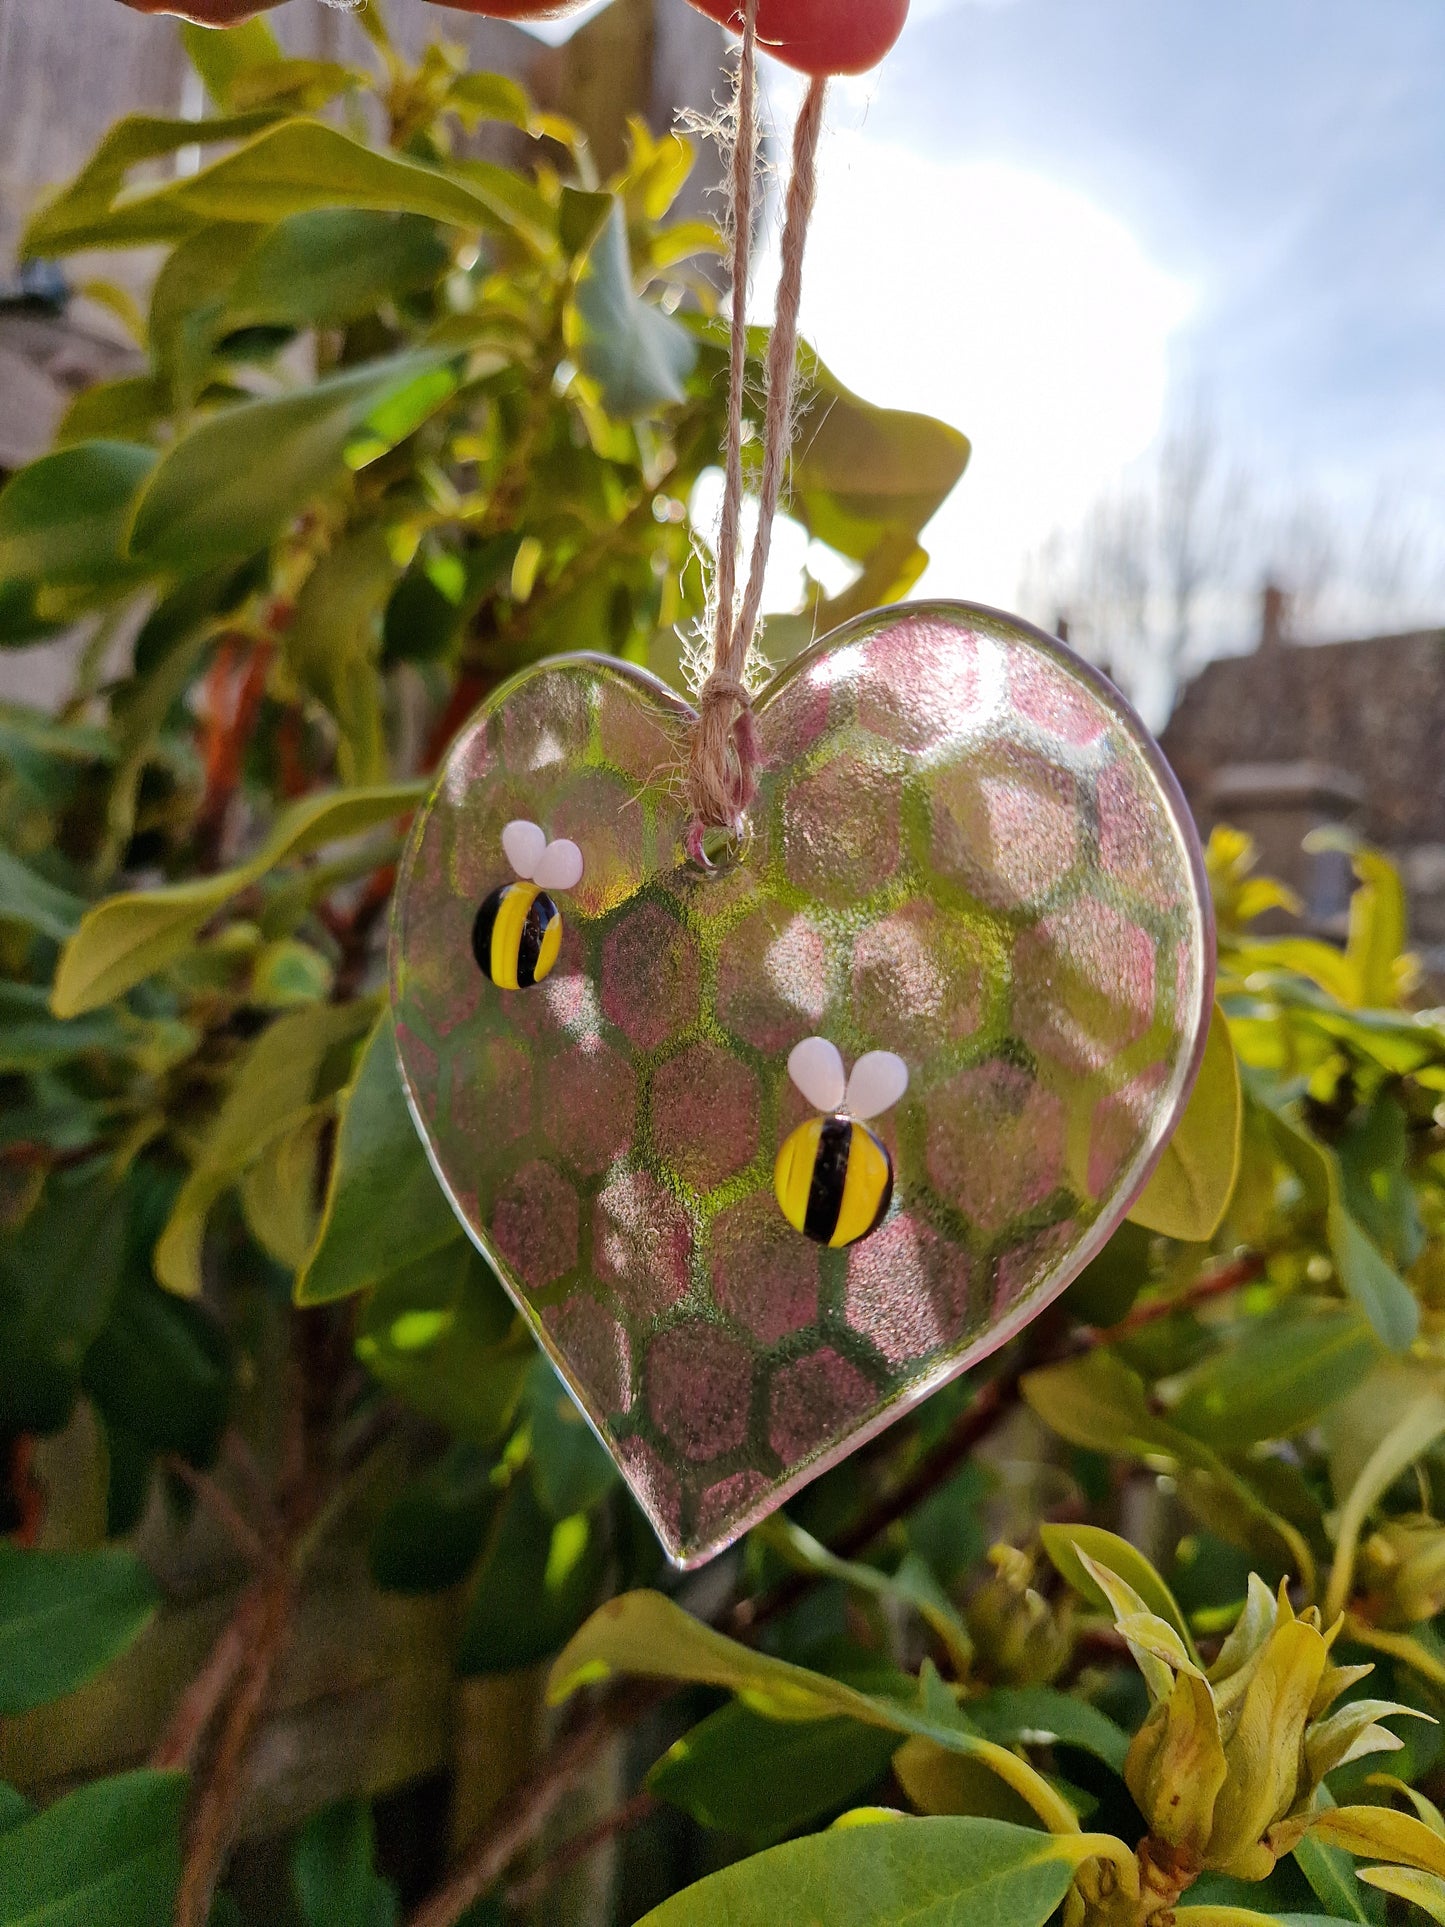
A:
[205, 13]
[819, 36]
[226, 13]
[515, 9]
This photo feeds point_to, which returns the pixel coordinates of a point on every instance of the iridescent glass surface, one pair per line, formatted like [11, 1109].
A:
[965, 849]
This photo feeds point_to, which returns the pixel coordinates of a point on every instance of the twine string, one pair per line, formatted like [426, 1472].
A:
[722, 769]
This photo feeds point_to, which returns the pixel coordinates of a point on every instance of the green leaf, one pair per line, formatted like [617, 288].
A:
[272, 1091]
[912, 1586]
[64, 1616]
[161, 1371]
[230, 485]
[1188, 1194]
[32, 1040]
[1379, 922]
[334, 645]
[938, 1782]
[1039, 1716]
[439, 1333]
[428, 1539]
[1374, 1155]
[1376, 1287]
[763, 1779]
[109, 1855]
[221, 57]
[1098, 1402]
[474, 98]
[638, 356]
[384, 1207]
[899, 1873]
[84, 215]
[58, 1277]
[1105, 1290]
[28, 898]
[1379, 1290]
[570, 1470]
[129, 409]
[1063, 1544]
[63, 519]
[333, 1871]
[646, 1634]
[127, 938]
[1279, 1375]
[293, 168]
[14, 1807]
[860, 473]
[335, 265]
[536, 1583]
[1331, 1874]
[1412, 1435]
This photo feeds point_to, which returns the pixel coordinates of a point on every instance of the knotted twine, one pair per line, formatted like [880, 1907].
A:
[723, 763]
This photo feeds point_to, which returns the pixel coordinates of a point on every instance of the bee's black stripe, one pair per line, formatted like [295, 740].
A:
[529, 950]
[830, 1174]
[482, 931]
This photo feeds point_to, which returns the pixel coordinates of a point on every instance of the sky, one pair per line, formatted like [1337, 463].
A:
[1061, 223]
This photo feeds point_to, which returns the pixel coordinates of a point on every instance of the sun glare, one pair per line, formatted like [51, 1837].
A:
[1010, 305]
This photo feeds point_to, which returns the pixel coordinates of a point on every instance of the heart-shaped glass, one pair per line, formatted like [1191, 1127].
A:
[966, 851]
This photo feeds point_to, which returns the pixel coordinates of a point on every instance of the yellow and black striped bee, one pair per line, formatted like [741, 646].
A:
[518, 931]
[833, 1177]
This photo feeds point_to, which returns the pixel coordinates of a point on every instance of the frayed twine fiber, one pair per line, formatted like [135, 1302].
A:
[722, 767]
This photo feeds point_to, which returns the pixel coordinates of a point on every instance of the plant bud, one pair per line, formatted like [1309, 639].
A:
[1020, 1639]
[1228, 1761]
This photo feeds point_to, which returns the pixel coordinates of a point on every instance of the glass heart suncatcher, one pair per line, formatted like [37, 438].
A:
[965, 851]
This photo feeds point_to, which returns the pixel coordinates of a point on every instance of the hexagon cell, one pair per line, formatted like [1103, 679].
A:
[641, 1243]
[589, 1095]
[534, 1223]
[908, 1290]
[763, 1274]
[917, 977]
[1007, 826]
[698, 1382]
[598, 1350]
[773, 979]
[1084, 984]
[995, 1142]
[841, 830]
[650, 976]
[812, 1400]
[704, 1115]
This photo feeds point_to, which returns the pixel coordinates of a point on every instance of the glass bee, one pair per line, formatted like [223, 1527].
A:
[518, 931]
[833, 1177]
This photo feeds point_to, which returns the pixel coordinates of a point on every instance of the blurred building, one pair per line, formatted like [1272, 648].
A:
[1295, 738]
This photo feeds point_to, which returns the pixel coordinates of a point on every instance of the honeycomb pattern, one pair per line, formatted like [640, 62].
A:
[964, 849]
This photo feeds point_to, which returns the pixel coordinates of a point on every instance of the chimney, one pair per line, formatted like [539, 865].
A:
[1061, 627]
[1274, 619]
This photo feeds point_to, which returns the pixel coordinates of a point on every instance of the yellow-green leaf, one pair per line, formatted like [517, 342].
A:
[127, 938]
[1425, 1890]
[269, 1101]
[1380, 1832]
[232, 484]
[1187, 1196]
[1408, 1439]
[893, 1871]
[1064, 1543]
